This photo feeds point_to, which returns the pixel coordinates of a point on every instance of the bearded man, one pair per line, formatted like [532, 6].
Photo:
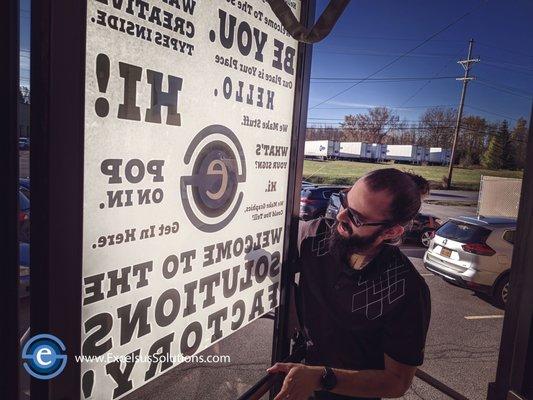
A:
[365, 307]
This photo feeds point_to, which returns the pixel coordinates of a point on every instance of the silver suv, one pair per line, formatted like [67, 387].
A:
[474, 253]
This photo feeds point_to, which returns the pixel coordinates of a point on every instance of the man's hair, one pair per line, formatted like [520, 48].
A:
[405, 188]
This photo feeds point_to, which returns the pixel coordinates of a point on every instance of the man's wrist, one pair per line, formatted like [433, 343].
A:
[317, 373]
[328, 380]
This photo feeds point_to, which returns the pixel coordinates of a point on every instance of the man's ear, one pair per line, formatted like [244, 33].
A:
[393, 232]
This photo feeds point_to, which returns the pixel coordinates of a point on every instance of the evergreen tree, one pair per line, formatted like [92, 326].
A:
[519, 137]
[509, 149]
[497, 154]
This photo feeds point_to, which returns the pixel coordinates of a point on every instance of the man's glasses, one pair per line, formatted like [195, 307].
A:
[353, 215]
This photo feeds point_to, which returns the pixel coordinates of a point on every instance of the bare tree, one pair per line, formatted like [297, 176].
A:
[323, 132]
[436, 127]
[472, 140]
[24, 95]
[372, 127]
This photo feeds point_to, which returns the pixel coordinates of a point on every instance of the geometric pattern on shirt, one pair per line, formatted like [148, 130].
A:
[320, 243]
[376, 295]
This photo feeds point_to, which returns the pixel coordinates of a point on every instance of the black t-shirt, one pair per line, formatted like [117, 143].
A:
[354, 317]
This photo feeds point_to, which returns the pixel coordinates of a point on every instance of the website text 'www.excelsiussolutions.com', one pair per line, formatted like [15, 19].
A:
[154, 358]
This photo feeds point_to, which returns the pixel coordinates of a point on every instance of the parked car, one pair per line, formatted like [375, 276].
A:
[24, 269]
[334, 205]
[422, 229]
[314, 200]
[24, 218]
[24, 186]
[474, 253]
[307, 184]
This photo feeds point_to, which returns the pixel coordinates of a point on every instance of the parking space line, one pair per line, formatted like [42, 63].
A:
[497, 316]
[427, 275]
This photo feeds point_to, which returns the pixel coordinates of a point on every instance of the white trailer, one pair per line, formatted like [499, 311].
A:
[499, 197]
[406, 153]
[362, 151]
[322, 149]
[355, 150]
[439, 155]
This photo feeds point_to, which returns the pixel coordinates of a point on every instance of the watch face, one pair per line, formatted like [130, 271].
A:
[329, 380]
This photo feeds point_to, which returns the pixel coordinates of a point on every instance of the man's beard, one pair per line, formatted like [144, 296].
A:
[343, 247]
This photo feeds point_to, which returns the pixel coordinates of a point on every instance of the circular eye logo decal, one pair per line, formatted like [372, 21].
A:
[211, 195]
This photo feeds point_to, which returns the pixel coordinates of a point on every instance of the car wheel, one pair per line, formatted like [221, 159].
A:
[502, 291]
[425, 237]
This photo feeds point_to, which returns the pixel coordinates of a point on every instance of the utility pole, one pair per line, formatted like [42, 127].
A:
[466, 64]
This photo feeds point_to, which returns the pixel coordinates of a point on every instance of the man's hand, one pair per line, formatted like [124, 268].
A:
[300, 382]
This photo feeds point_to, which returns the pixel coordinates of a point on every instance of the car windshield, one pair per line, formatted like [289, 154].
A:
[305, 193]
[463, 232]
[24, 202]
[319, 193]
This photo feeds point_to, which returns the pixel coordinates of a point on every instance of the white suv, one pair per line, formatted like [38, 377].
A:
[474, 253]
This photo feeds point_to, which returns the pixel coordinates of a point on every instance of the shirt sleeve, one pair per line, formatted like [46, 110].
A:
[303, 233]
[405, 332]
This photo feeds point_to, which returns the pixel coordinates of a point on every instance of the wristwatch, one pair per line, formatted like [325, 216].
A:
[328, 380]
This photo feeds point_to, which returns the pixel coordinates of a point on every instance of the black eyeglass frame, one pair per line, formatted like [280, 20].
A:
[352, 214]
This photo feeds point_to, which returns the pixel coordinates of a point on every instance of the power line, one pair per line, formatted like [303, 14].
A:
[416, 40]
[417, 121]
[429, 81]
[496, 65]
[387, 79]
[493, 113]
[504, 49]
[398, 127]
[337, 119]
[401, 56]
[409, 107]
[510, 88]
[495, 87]
[344, 34]
[392, 107]
[509, 64]
[469, 130]
[371, 53]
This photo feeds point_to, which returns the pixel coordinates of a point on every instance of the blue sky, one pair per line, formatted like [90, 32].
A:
[371, 33]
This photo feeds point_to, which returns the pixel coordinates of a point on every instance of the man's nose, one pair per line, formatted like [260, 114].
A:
[342, 215]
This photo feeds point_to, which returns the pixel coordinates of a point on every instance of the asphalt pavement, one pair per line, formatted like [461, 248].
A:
[463, 341]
